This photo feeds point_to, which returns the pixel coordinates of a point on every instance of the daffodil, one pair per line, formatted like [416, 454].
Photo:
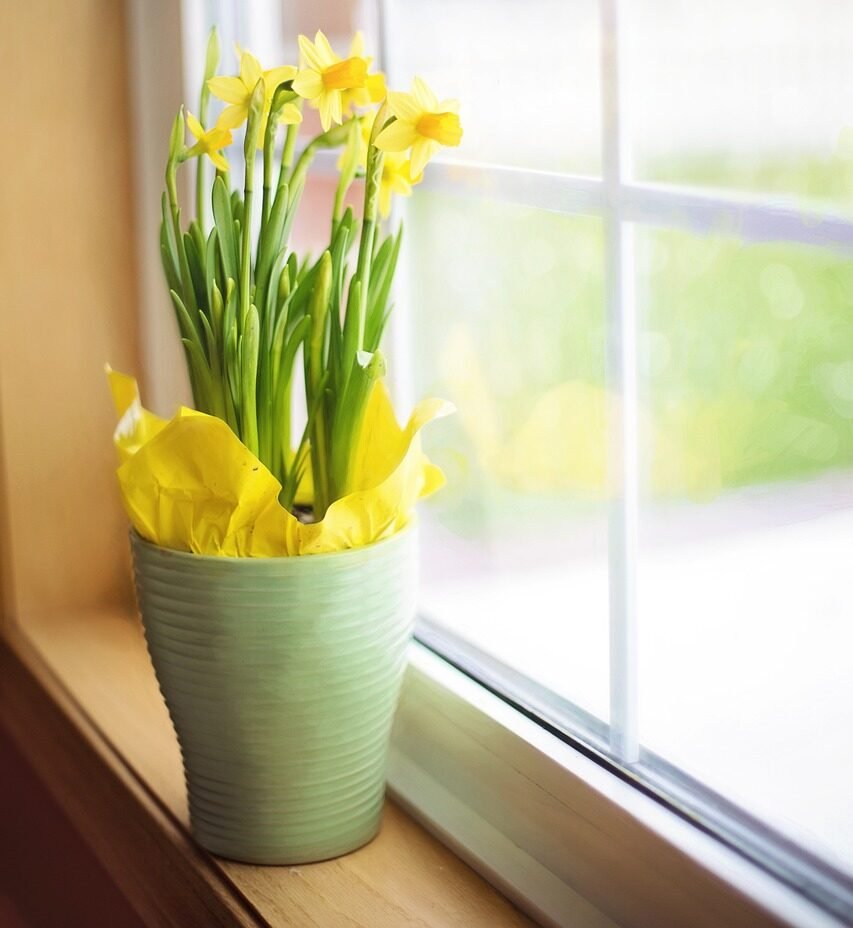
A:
[396, 178]
[396, 167]
[325, 77]
[374, 90]
[237, 92]
[422, 123]
[209, 142]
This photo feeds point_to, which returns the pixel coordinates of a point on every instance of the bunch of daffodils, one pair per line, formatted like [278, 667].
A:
[229, 477]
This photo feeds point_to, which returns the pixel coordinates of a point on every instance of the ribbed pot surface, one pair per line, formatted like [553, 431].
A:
[281, 676]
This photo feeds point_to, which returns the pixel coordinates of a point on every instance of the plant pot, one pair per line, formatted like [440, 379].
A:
[281, 676]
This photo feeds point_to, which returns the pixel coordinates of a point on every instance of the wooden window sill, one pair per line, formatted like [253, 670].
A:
[81, 701]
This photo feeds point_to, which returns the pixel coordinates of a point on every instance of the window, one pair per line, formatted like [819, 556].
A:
[651, 494]
[635, 283]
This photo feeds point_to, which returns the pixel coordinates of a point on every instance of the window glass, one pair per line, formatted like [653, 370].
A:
[757, 95]
[744, 606]
[527, 75]
[506, 320]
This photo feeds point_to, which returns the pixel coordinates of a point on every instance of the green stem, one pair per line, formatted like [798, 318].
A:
[337, 135]
[348, 167]
[372, 181]
[269, 138]
[246, 250]
[175, 210]
[250, 144]
[297, 178]
[282, 96]
[250, 348]
[291, 483]
[288, 152]
[314, 384]
[199, 190]
[281, 432]
[338, 208]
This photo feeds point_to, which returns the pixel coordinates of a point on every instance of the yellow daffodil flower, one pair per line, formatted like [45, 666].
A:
[209, 142]
[396, 178]
[396, 168]
[237, 93]
[422, 124]
[190, 484]
[374, 90]
[324, 78]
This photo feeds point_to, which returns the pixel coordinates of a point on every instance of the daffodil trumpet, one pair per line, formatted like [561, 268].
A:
[248, 307]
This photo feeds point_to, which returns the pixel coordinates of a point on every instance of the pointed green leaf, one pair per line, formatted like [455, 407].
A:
[224, 220]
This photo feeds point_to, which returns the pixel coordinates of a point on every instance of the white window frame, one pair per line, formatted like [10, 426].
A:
[569, 840]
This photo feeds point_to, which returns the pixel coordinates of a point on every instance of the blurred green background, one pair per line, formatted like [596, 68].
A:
[746, 351]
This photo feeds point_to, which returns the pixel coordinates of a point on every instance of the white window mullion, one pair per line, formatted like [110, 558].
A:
[557, 193]
[750, 217]
[622, 391]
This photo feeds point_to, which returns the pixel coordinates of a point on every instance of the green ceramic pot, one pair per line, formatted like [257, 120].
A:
[281, 676]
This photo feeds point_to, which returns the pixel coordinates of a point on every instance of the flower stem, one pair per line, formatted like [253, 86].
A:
[372, 181]
[269, 140]
[175, 211]
[246, 245]
[314, 382]
[348, 166]
[288, 152]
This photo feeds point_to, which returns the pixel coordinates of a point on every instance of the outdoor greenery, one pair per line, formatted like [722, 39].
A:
[746, 353]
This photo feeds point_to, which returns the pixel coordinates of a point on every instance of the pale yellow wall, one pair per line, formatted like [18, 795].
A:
[67, 297]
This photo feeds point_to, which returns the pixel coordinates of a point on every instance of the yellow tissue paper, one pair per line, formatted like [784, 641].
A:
[192, 485]
[135, 424]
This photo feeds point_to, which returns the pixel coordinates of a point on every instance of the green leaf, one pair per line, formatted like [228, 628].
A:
[167, 239]
[217, 311]
[232, 371]
[212, 353]
[367, 369]
[274, 299]
[315, 374]
[203, 390]
[284, 354]
[199, 239]
[230, 320]
[237, 205]
[211, 57]
[283, 357]
[381, 282]
[302, 294]
[172, 277]
[272, 241]
[340, 245]
[195, 263]
[187, 288]
[176, 137]
[291, 484]
[249, 344]
[210, 268]
[350, 340]
[304, 267]
[186, 326]
[224, 219]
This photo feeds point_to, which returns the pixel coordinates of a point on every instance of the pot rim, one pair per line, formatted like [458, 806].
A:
[406, 531]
